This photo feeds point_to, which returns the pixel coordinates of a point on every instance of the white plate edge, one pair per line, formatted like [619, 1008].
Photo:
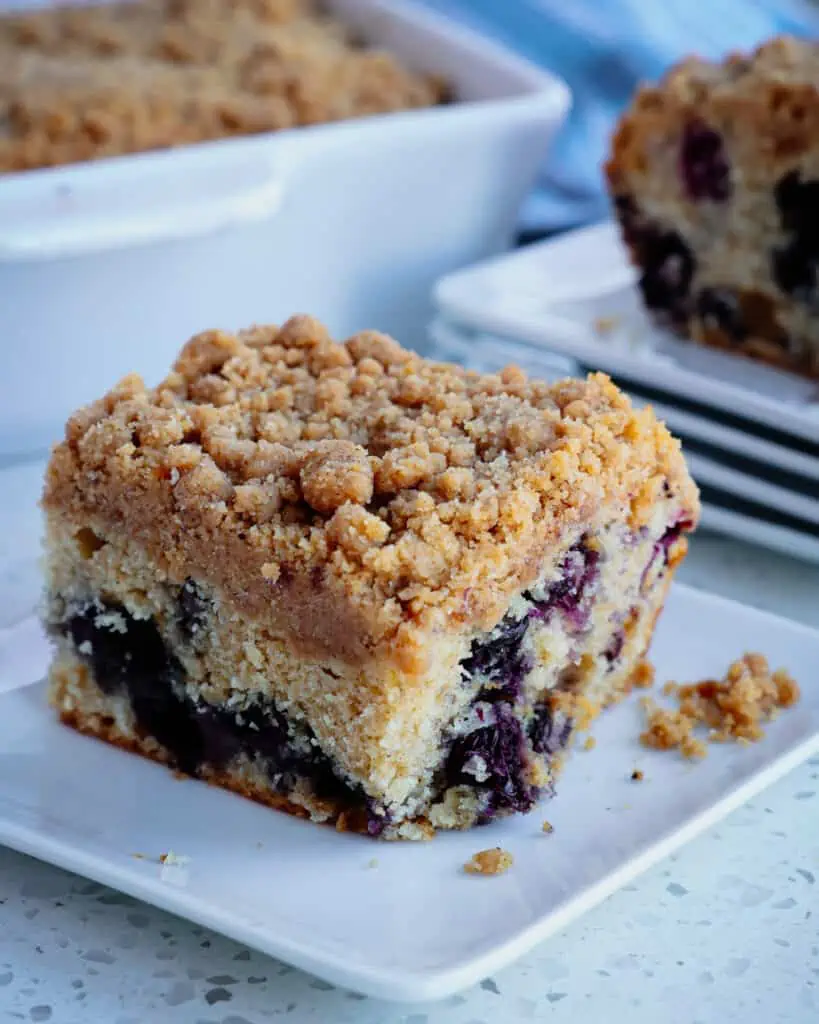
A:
[751, 488]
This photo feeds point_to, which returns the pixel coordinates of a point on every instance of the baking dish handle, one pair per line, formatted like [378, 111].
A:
[84, 210]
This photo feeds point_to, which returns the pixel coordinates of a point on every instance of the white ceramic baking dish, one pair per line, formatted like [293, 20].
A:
[106, 267]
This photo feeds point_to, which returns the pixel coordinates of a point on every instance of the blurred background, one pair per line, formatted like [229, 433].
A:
[602, 49]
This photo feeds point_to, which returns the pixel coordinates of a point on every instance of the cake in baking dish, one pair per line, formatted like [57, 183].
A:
[79, 82]
[353, 583]
[714, 175]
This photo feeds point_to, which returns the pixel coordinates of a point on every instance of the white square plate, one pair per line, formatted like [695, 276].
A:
[412, 926]
[553, 294]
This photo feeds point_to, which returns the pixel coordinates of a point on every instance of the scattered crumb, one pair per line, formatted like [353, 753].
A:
[171, 859]
[590, 743]
[606, 324]
[643, 676]
[547, 827]
[489, 862]
[734, 708]
[372, 863]
[139, 856]
[637, 775]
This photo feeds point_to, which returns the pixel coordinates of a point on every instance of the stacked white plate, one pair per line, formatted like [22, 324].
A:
[569, 305]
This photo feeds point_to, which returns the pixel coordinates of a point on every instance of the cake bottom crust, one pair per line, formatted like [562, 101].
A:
[755, 348]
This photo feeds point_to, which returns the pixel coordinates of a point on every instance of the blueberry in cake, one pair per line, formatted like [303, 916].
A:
[352, 583]
[714, 176]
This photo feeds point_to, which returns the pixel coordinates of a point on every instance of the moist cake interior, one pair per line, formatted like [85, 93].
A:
[564, 649]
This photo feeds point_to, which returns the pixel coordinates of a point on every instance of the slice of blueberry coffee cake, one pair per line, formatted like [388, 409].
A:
[714, 175]
[352, 583]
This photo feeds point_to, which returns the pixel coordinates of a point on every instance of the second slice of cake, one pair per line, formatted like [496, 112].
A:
[714, 174]
[353, 583]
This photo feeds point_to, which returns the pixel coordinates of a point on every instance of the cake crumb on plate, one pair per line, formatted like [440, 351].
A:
[637, 775]
[489, 862]
[171, 859]
[547, 827]
[643, 677]
[734, 708]
[607, 324]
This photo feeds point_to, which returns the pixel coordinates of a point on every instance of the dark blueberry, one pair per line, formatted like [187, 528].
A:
[549, 732]
[193, 610]
[501, 748]
[665, 261]
[615, 647]
[670, 538]
[631, 221]
[137, 664]
[568, 594]
[500, 660]
[667, 269]
[625, 206]
[798, 203]
[719, 309]
[663, 545]
[796, 270]
[795, 267]
[377, 818]
[704, 167]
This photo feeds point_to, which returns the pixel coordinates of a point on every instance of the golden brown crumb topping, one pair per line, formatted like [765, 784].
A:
[421, 494]
[489, 862]
[770, 97]
[79, 83]
[731, 709]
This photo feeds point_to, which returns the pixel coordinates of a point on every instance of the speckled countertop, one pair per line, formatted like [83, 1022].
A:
[727, 930]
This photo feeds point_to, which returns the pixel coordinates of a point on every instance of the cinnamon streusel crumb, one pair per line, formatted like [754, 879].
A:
[489, 862]
[734, 708]
[406, 495]
[643, 676]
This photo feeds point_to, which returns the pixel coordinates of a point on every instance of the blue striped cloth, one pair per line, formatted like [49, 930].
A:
[602, 49]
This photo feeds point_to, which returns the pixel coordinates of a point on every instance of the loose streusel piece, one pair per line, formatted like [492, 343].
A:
[353, 583]
[714, 175]
[731, 709]
[489, 862]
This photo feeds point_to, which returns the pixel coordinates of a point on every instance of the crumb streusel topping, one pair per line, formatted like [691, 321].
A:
[489, 862]
[734, 708]
[762, 84]
[83, 82]
[391, 495]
